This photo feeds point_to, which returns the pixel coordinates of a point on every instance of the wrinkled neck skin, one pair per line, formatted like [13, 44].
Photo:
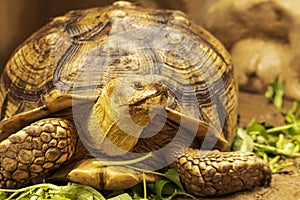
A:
[125, 107]
[111, 126]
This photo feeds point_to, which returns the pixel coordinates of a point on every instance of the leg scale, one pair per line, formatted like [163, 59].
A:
[30, 154]
[218, 173]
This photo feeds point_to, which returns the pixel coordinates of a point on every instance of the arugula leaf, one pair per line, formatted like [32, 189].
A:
[124, 196]
[163, 189]
[173, 176]
[273, 144]
[159, 186]
[47, 190]
[2, 195]
[81, 192]
[275, 93]
[243, 142]
[171, 186]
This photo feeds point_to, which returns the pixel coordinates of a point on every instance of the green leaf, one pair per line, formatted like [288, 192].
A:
[257, 129]
[124, 196]
[166, 190]
[243, 142]
[289, 148]
[290, 116]
[159, 186]
[47, 190]
[2, 195]
[114, 193]
[275, 151]
[137, 190]
[81, 192]
[275, 93]
[278, 98]
[270, 92]
[173, 176]
[278, 167]
[280, 141]
[274, 144]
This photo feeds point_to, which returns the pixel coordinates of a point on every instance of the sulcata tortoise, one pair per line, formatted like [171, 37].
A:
[94, 90]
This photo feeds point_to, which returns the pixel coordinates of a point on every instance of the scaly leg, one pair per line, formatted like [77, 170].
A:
[28, 155]
[218, 173]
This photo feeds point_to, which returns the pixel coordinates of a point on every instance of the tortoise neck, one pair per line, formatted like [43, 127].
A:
[104, 128]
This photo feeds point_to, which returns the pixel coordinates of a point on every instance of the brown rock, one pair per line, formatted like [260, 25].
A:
[263, 37]
[259, 61]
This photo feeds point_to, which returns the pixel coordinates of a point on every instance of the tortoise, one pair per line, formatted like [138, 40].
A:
[96, 89]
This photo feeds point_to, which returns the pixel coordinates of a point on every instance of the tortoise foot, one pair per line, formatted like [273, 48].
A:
[92, 172]
[28, 155]
[218, 173]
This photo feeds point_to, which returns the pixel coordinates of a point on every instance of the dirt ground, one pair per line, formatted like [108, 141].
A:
[285, 185]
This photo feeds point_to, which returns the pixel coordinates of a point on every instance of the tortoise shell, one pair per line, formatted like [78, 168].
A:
[75, 55]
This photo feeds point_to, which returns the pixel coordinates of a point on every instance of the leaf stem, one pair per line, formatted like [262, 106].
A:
[280, 167]
[281, 128]
[146, 171]
[144, 186]
[276, 150]
[126, 162]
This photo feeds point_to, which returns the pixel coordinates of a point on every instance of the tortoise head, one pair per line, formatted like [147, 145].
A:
[136, 96]
[125, 107]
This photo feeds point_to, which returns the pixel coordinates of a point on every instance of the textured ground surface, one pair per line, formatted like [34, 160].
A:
[283, 187]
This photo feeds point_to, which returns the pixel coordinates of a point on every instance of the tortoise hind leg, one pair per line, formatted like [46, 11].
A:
[218, 173]
[28, 155]
[92, 172]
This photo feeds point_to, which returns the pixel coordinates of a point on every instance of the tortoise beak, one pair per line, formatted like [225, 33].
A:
[154, 90]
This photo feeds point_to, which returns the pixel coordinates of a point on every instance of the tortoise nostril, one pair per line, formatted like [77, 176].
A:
[160, 83]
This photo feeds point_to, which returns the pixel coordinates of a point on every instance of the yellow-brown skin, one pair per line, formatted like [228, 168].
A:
[127, 103]
[77, 60]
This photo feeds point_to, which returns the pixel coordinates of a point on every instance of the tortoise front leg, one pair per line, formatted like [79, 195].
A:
[28, 155]
[218, 173]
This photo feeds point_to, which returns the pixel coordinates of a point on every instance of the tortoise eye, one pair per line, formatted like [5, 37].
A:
[138, 85]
